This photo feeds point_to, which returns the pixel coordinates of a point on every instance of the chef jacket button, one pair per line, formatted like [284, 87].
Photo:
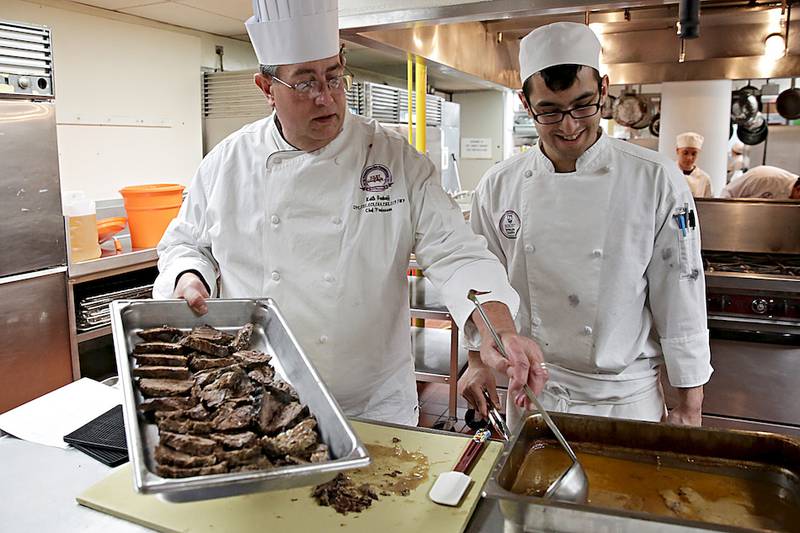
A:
[336, 220]
[587, 330]
[275, 219]
[528, 174]
[328, 277]
[530, 248]
[323, 339]
[335, 160]
[276, 276]
[536, 321]
[597, 252]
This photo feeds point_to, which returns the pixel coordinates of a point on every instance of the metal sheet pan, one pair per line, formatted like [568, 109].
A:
[271, 335]
[766, 456]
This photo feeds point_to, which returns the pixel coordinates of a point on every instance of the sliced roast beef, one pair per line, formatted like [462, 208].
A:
[235, 440]
[171, 348]
[160, 334]
[284, 419]
[161, 359]
[166, 404]
[175, 472]
[190, 444]
[229, 417]
[294, 441]
[242, 339]
[251, 359]
[164, 387]
[167, 372]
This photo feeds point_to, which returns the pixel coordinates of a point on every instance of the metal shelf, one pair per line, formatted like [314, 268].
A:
[93, 334]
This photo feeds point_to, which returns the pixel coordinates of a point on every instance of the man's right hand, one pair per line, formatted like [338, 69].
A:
[192, 289]
[477, 378]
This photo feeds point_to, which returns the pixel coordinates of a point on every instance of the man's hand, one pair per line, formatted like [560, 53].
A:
[525, 364]
[472, 384]
[689, 409]
[192, 289]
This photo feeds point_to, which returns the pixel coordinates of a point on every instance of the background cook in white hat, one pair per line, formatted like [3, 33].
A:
[320, 210]
[688, 148]
[587, 227]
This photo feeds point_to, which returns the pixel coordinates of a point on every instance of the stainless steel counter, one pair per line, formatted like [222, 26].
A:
[110, 264]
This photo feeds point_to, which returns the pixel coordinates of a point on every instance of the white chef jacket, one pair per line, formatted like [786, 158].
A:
[761, 182]
[699, 183]
[327, 235]
[610, 287]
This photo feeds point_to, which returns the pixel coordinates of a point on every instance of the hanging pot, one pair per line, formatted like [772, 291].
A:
[630, 109]
[655, 125]
[753, 133]
[744, 107]
[788, 104]
[647, 119]
[607, 111]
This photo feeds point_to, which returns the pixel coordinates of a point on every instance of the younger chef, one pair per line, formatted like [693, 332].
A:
[688, 148]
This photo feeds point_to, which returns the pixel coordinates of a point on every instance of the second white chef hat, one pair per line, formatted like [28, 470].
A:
[690, 139]
[560, 43]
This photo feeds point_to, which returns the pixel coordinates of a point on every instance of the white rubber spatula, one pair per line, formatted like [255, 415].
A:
[450, 487]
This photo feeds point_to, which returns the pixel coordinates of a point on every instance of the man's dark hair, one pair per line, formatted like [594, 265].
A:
[558, 78]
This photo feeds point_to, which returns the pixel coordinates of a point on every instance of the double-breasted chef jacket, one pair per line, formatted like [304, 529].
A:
[699, 183]
[610, 285]
[328, 235]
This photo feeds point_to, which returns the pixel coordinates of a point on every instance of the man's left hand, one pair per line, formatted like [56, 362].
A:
[525, 364]
[689, 411]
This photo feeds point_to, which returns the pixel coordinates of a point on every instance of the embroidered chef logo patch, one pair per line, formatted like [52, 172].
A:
[510, 224]
[376, 178]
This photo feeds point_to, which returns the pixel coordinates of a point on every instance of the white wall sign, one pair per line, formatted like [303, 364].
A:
[476, 148]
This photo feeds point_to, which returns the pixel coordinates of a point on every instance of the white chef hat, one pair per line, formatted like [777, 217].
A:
[690, 139]
[560, 43]
[284, 32]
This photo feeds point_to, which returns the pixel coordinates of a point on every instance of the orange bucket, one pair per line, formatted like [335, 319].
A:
[150, 209]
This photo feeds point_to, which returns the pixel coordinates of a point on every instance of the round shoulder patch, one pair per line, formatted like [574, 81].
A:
[510, 224]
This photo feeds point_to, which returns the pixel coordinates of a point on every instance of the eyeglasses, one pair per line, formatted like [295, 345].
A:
[554, 117]
[311, 89]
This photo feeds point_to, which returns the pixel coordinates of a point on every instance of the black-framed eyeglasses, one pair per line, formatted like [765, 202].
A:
[577, 112]
[311, 89]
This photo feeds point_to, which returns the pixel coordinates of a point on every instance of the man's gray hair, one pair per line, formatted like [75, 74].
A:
[268, 70]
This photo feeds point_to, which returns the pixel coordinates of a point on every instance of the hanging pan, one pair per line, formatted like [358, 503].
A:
[788, 104]
[753, 133]
[607, 111]
[631, 110]
[655, 125]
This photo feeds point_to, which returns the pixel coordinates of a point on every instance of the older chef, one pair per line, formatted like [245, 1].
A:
[688, 146]
[600, 239]
[764, 182]
[320, 210]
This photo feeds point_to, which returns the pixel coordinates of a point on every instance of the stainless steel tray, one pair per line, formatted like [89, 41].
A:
[766, 456]
[271, 335]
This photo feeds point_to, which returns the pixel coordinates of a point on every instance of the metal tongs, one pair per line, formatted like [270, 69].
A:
[572, 485]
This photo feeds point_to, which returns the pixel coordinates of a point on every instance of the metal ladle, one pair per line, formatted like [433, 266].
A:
[572, 485]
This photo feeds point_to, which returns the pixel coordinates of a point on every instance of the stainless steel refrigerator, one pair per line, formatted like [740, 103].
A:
[34, 331]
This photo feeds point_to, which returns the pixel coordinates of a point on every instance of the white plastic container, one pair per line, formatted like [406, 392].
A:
[81, 215]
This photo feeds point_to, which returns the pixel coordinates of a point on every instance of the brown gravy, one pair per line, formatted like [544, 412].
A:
[663, 490]
[393, 469]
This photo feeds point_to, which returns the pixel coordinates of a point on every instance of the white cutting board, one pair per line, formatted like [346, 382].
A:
[294, 510]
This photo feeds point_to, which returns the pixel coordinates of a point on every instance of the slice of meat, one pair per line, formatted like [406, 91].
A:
[320, 454]
[168, 456]
[282, 391]
[161, 359]
[294, 441]
[200, 362]
[242, 456]
[234, 380]
[242, 339]
[198, 412]
[167, 404]
[164, 387]
[209, 333]
[262, 463]
[214, 397]
[190, 444]
[174, 471]
[184, 426]
[171, 348]
[167, 372]
[229, 418]
[205, 346]
[263, 374]
[235, 440]
[267, 410]
[161, 334]
[251, 359]
[284, 419]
